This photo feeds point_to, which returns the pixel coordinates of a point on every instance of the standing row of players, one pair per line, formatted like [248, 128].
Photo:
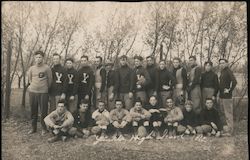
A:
[127, 84]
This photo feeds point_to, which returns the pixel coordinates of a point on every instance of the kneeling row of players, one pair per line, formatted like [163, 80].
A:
[141, 121]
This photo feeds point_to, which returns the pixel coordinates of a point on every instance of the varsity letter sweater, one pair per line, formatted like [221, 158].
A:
[59, 83]
[72, 82]
[86, 80]
[40, 78]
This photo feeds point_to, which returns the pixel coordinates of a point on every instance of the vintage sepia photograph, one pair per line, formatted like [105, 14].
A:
[109, 80]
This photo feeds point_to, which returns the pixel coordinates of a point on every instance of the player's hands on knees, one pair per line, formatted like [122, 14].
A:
[143, 116]
[116, 124]
[57, 127]
[123, 124]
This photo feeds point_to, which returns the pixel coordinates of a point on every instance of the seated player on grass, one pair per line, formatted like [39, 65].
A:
[82, 116]
[173, 117]
[210, 123]
[60, 122]
[102, 120]
[140, 119]
[119, 118]
[189, 122]
[156, 118]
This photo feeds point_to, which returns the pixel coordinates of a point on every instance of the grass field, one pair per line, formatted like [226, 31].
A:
[17, 145]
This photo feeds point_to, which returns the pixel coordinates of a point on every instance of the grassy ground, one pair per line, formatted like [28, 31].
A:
[16, 144]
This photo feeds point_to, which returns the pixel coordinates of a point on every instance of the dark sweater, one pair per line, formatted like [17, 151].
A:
[226, 78]
[165, 78]
[86, 80]
[110, 78]
[190, 118]
[153, 73]
[210, 80]
[154, 116]
[208, 116]
[184, 76]
[72, 81]
[123, 79]
[82, 120]
[59, 83]
[138, 72]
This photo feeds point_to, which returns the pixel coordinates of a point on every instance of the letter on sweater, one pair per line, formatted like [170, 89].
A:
[85, 77]
[70, 76]
[58, 77]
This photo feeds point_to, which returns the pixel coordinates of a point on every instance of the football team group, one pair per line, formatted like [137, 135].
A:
[155, 101]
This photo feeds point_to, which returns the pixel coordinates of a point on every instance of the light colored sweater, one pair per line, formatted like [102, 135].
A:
[66, 119]
[40, 78]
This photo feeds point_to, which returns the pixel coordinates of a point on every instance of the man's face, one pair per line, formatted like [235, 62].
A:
[56, 59]
[84, 61]
[138, 106]
[60, 108]
[108, 67]
[223, 64]
[188, 107]
[208, 67]
[176, 63]
[150, 61]
[118, 105]
[69, 64]
[192, 61]
[101, 106]
[123, 61]
[98, 61]
[38, 59]
[162, 65]
[169, 103]
[137, 62]
[83, 107]
[152, 101]
[209, 104]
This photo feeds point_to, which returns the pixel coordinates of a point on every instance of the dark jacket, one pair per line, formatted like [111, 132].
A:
[72, 82]
[153, 73]
[190, 118]
[123, 79]
[111, 78]
[137, 73]
[227, 78]
[165, 78]
[59, 83]
[85, 80]
[82, 121]
[208, 116]
[210, 80]
[184, 76]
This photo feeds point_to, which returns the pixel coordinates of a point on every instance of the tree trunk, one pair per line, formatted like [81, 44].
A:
[24, 92]
[8, 83]
[161, 52]
[19, 81]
